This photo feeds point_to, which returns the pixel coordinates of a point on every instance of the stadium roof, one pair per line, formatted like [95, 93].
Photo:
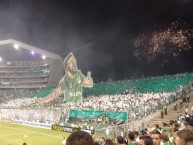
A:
[30, 48]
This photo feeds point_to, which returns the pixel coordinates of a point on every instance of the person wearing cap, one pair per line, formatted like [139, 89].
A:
[165, 129]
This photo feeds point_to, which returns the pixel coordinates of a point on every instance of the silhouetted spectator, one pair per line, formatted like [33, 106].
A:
[80, 138]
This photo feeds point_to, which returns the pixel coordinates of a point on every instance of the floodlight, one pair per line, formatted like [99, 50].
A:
[32, 52]
[16, 46]
[43, 57]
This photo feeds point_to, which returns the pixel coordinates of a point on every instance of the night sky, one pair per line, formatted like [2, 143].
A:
[98, 32]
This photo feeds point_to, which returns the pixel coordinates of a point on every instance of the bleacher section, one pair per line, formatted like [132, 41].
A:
[24, 74]
[168, 83]
[41, 93]
[172, 113]
[148, 85]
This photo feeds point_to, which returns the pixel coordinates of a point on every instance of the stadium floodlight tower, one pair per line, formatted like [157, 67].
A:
[54, 61]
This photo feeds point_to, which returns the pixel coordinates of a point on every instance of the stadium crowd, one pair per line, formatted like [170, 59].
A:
[24, 74]
[16, 98]
[137, 105]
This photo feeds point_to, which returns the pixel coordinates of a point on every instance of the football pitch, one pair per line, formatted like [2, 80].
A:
[14, 134]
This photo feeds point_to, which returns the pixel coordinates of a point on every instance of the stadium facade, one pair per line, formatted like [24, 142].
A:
[37, 73]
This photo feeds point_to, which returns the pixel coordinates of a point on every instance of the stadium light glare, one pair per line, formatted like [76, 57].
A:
[0, 59]
[16, 46]
[43, 57]
[32, 52]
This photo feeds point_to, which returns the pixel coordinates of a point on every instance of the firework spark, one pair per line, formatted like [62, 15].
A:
[170, 42]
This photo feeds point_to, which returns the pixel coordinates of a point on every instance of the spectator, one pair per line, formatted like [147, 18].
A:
[183, 137]
[80, 138]
[108, 142]
[131, 137]
[156, 137]
[96, 143]
[162, 114]
[120, 140]
[175, 106]
[136, 135]
[188, 98]
[125, 137]
[166, 110]
[145, 140]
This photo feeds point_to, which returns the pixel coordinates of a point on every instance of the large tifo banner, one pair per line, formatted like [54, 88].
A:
[116, 117]
[73, 81]
[70, 85]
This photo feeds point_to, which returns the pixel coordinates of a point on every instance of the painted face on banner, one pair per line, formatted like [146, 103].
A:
[71, 64]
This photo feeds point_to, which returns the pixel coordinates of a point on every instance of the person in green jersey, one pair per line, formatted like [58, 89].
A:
[165, 139]
[73, 80]
[132, 140]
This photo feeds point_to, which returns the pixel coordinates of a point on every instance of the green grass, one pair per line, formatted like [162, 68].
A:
[16, 134]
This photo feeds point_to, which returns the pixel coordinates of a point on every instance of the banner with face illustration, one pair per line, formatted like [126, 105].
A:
[73, 81]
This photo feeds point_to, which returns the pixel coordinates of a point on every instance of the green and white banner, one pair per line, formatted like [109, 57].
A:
[73, 81]
[116, 117]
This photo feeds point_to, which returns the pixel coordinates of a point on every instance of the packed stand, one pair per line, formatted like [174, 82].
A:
[17, 98]
[167, 83]
[171, 134]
